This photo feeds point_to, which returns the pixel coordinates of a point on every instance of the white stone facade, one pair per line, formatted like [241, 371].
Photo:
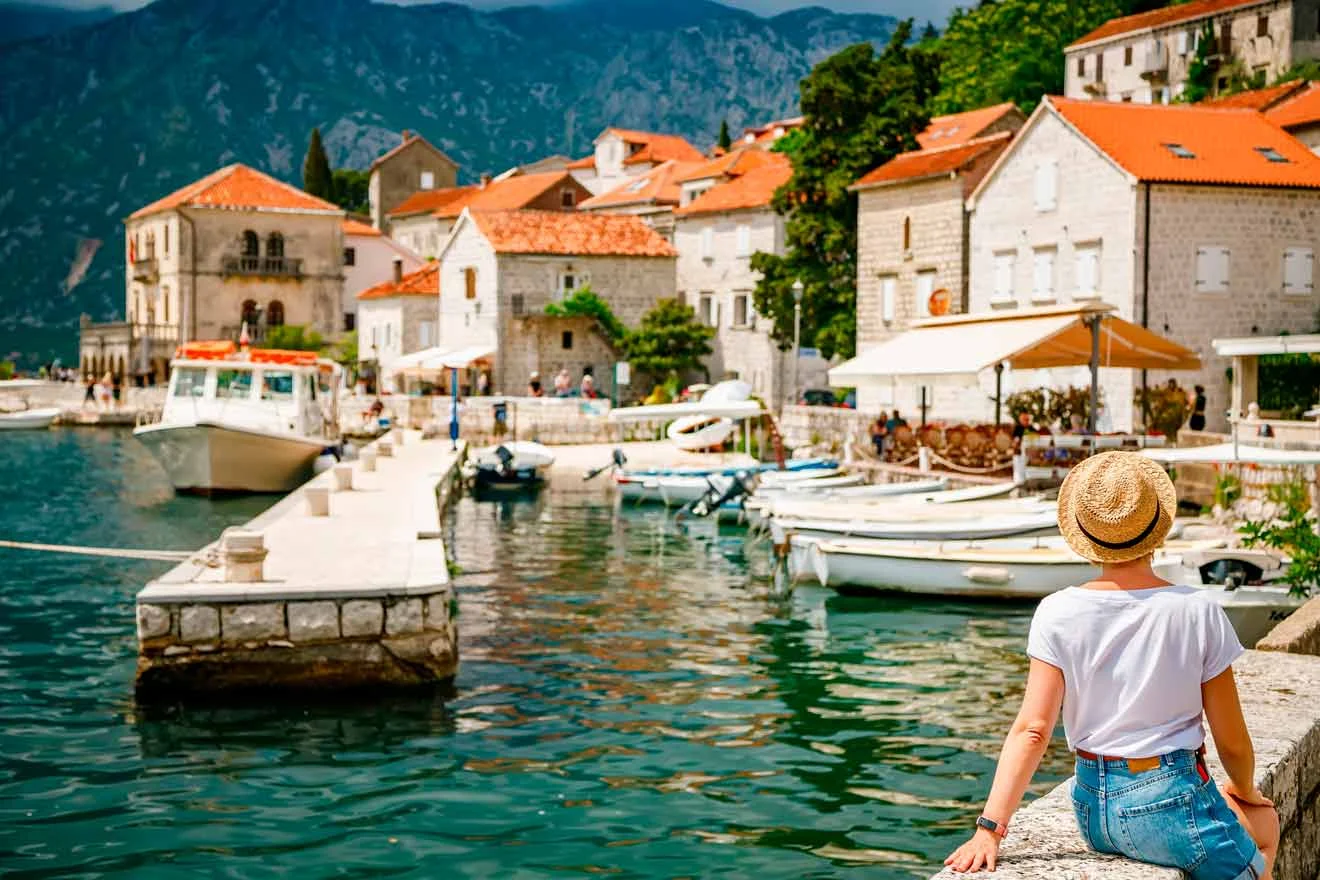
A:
[392, 326]
[369, 260]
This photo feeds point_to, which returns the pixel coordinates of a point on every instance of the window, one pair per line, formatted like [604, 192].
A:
[567, 198]
[470, 283]
[1042, 274]
[744, 240]
[251, 244]
[189, 382]
[1164, 94]
[1099, 66]
[888, 293]
[568, 283]
[1180, 42]
[1004, 276]
[428, 180]
[1087, 274]
[708, 243]
[249, 312]
[167, 241]
[517, 305]
[274, 245]
[233, 384]
[925, 287]
[1081, 65]
[276, 385]
[165, 303]
[1298, 270]
[1211, 269]
[1126, 98]
[350, 321]
[1046, 185]
[741, 310]
[1127, 56]
[907, 234]
[389, 328]
[1262, 25]
[706, 310]
[275, 314]
[350, 256]
[566, 340]
[1180, 151]
[1272, 154]
[425, 334]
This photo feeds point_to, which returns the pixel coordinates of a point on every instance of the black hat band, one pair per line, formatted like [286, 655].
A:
[1122, 545]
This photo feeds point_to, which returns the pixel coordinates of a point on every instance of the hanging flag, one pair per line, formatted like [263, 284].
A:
[82, 261]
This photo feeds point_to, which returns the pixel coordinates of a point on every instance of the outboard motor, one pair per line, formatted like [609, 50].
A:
[714, 498]
[506, 460]
[1232, 573]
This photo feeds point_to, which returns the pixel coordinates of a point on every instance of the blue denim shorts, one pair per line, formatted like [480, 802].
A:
[1166, 816]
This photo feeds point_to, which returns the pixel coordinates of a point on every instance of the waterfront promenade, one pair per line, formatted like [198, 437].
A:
[344, 583]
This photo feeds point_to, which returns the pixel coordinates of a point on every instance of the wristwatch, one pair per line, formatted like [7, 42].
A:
[997, 828]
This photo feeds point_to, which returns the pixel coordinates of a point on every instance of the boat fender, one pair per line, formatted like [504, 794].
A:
[987, 574]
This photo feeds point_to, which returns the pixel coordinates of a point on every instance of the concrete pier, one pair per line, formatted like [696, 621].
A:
[358, 597]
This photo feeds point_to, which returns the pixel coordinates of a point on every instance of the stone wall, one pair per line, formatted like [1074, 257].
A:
[399, 176]
[546, 345]
[828, 425]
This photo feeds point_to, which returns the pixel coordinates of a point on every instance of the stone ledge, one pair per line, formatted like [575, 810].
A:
[1298, 634]
[1279, 700]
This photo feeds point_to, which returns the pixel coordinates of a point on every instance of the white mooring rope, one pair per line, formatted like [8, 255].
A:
[116, 552]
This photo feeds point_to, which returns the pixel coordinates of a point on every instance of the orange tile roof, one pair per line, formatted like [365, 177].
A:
[428, 201]
[959, 128]
[1162, 17]
[357, 227]
[1225, 143]
[747, 191]
[763, 134]
[570, 233]
[1258, 99]
[422, 282]
[731, 164]
[658, 186]
[938, 161]
[509, 194]
[584, 162]
[237, 186]
[1301, 108]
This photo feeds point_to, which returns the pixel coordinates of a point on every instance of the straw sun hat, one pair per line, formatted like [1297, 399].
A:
[1116, 506]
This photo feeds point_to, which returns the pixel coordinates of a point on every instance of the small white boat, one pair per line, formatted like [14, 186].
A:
[813, 488]
[970, 527]
[29, 419]
[243, 421]
[518, 464]
[698, 433]
[848, 510]
[1242, 581]
[526, 454]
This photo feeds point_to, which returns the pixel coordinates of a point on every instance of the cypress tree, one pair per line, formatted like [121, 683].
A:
[317, 179]
[724, 140]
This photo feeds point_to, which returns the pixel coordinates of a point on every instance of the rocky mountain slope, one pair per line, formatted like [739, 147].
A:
[23, 21]
[97, 121]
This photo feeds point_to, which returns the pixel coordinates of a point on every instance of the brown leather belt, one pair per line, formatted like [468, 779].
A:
[1137, 765]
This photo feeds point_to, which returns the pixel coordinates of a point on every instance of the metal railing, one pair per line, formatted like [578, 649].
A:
[285, 267]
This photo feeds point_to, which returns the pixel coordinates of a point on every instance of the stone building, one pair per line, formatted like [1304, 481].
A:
[1199, 223]
[912, 236]
[423, 221]
[414, 165]
[398, 316]
[621, 153]
[235, 246]
[369, 258]
[1145, 58]
[1298, 113]
[653, 196]
[716, 233]
[765, 135]
[500, 266]
[546, 344]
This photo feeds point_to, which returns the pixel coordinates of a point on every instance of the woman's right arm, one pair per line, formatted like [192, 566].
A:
[1223, 711]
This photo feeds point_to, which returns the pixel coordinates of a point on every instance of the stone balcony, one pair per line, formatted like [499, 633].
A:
[146, 269]
[277, 267]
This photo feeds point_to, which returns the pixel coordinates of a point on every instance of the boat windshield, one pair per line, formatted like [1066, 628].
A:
[233, 384]
[277, 385]
[189, 382]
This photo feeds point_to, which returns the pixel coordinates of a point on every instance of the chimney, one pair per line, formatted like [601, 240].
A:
[398, 271]
[406, 134]
[485, 181]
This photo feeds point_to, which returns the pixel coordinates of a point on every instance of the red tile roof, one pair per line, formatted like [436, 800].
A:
[658, 186]
[1225, 144]
[959, 128]
[1155, 18]
[939, 161]
[509, 194]
[584, 162]
[1258, 99]
[747, 191]
[357, 227]
[428, 201]
[765, 134]
[731, 164]
[570, 233]
[238, 186]
[423, 282]
[1301, 108]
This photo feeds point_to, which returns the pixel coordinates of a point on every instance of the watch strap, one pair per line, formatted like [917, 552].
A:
[997, 828]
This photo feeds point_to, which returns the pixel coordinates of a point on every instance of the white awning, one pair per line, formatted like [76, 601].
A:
[1024, 340]
[1225, 453]
[437, 359]
[1258, 345]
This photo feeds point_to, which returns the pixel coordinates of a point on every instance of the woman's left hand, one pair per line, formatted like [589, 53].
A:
[982, 851]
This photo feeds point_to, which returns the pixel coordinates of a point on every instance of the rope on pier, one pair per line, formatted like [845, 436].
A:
[115, 552]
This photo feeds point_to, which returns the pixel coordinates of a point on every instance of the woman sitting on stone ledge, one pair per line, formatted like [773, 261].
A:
[1134, 662]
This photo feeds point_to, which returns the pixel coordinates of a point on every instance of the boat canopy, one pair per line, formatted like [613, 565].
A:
[1229, 453]
[437, 359]
[225, 350]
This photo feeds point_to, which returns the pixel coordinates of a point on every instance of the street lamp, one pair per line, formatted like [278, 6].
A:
[797, 333]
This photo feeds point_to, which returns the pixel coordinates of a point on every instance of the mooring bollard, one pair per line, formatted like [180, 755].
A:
[368, 459]
[318, 501]
[385, 449]
[244, 554]
[396, 436]
[343, 477]
[923, 459]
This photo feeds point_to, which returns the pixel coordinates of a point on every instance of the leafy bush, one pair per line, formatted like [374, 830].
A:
[1031, 400]
[669, 340]
[1289, 383]
[585, 302]
[1166, 408]
[1228, 489]
[1292, 532]
[6, 370]
[293, 337]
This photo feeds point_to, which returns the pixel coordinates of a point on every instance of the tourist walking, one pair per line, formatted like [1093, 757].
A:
[1197, 421]
[116, 389]
[1134, 662]
[879, 433]
[89, 391]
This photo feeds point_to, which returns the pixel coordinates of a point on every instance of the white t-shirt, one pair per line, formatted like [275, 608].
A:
[1133, 663]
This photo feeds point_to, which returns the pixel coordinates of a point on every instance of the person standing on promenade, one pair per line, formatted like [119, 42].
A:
[116, 389]
[89, 393]
[1139, 661]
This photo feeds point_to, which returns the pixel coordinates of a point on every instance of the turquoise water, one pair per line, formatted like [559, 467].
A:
[632, 702]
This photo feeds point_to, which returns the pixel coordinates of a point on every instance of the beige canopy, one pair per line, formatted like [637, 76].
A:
[1026, 339]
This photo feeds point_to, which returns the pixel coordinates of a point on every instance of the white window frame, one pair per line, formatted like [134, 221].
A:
[1044, 271]
[1046, 185]
[744, 238]
[1299, 271]
[888, 297]
[745, 297]
[925, 286]
[425, 334]
[1213, 263]
[1083, 253]
[708, 309]
[427, 180]
[569, 281]
[1004, 268]
[708, 243]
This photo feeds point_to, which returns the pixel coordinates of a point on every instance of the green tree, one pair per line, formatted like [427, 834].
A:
[861, 109]
[1012, 50]
[1201, 72]
[669, 339]
[349, 190]
[293, 337]
[6, 370]
[1292, 530]
[1308, 70]
[317, 179]
[585, 302]
[724, 140]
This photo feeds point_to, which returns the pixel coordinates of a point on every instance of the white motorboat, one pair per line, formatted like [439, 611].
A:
[843, 513]
[17, 412]
[882, 496]
[243, 421]
[909, 526]
[516, 465]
